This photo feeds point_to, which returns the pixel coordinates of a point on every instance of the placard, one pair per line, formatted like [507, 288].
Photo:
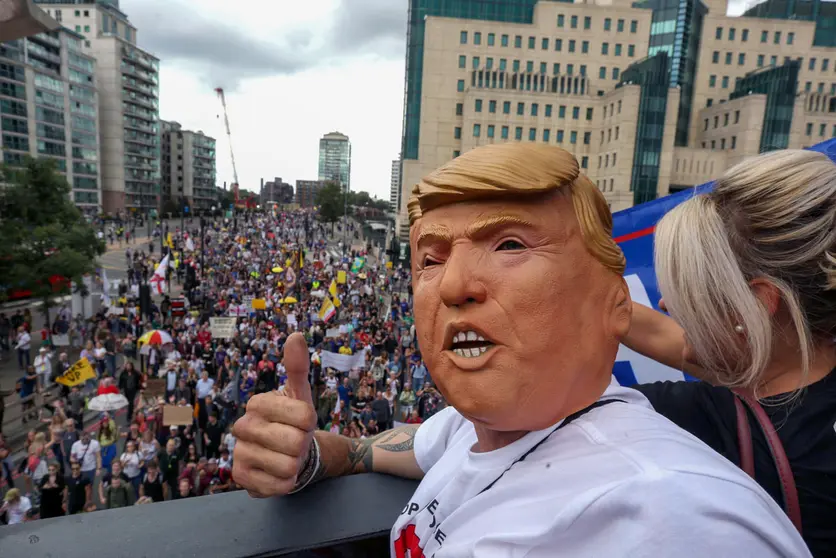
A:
[174, 415]
[222, 328]
[341, 277]
[61, 340]
[259, 304]
[155, 387]
[332, 332]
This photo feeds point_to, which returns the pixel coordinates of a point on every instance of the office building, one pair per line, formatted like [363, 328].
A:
[49, 108]
[395, 187]
[276, 192]
[651, 97]
[307, 190]
[188, 167]
[335, 159]
[128, 103]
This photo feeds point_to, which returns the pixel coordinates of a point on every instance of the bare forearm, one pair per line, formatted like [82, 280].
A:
[390, 452]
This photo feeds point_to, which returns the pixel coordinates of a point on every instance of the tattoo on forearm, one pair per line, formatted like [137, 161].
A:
[361, 452]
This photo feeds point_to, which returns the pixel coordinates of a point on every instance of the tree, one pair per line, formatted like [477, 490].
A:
[46, 242]
[332, 203]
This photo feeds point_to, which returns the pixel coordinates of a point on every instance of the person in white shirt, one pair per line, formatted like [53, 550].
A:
[88, 453]
[204, 385]
[520, 307]
[16, 507]
[43, 366]
[23, 345]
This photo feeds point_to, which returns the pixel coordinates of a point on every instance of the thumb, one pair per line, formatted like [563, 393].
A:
[297, 364]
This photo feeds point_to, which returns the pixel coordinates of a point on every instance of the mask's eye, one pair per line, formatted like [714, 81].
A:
[429, 262]
[511, 245]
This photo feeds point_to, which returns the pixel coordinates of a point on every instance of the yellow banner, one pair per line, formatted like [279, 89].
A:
[77, 374]
[259, 304]
[388, 265]
[341, 277]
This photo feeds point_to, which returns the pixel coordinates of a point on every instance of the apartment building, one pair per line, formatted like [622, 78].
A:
[276, 191]
[651, 97]
[307, 190]
[128, 102]
[49, 107]
[188, 167]
[335, 159]
[395, 187]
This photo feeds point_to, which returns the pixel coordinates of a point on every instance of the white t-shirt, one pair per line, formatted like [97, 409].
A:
[620, 480]
[17, 512]
[86, 456]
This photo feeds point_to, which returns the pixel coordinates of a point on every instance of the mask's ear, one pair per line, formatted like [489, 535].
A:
[620, 310]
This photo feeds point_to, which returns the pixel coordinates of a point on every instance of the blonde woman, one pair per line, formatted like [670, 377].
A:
[748, 275]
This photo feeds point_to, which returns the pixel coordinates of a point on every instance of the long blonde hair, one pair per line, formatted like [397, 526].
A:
[772, 217]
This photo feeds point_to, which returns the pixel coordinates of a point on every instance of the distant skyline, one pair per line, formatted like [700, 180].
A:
[292, 72]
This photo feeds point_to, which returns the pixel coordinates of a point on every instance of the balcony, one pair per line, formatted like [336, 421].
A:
[350, 514]
[131, 70]
[46, 38]
[131, 84]
[133, 98]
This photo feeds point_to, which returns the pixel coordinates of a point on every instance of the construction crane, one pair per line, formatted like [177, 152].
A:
[220, 92]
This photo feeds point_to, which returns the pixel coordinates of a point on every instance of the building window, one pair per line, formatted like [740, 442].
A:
[570, 68]
[86, 28]
[456, 153]
[790, 37]
[506, 107]
[559, 136]
[556, 68]
[631, 51]
[605, 48]
[773, 60]
[716, 121]
[78, 28]
[715, 57]
[741, 59]
[478, 105]
[460, 85]
[726, 119]
[491, 39]
[558, 45]
[615, 73]
[585, 47]
[534, 109]
[709, 102]
[516, 66]
[572, 45]
[587, 136]
[475, 62]
[490, 131]
[573, 137]
[561, 111]
[618, 49]
[463, 38]
[518, 41]
[733, 142]
[488, 63]
[619, 27]
[584, 162]
[607, 24]
[503, 64]
[504, 40]
[548, 111]
[809, 128]
[731, 33]
[744, 35]
[587, 22]
[736, 116]
[776, 39]
[725, 82]
[544, 43]
[825, 64]
[462, 61]
[78, 13]
[459, 109]
[576, 113]
[520, 109]
[718, 33]
[492, 107]
[457, 132]
[764, 35]
[619, 106]
[634, 26]
[712, 81]
[812, 65]
[547, 135]
[728, 58]
[477, 38]
[529, 66]
[504, 132]
[583, 70]
[532, 134]
[760, 60]
[560, 20]
[477, 130]
[602, 72]
[531, 41]
[518, 133]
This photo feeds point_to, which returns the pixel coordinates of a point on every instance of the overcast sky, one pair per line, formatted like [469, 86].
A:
[293, 71]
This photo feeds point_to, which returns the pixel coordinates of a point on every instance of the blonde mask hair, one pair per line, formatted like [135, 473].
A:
[511, 171]
[772, 217]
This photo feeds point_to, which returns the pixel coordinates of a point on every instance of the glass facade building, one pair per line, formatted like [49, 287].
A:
[779, 85]
[335, 159]
[823, 13]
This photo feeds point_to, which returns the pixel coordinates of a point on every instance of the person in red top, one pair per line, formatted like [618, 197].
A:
[106, 386]
[204, 335]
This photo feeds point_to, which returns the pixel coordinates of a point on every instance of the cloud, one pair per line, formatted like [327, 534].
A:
[223, 53]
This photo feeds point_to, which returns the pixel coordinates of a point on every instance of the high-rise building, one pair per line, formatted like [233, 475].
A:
[307, 190]
[335, 159]
[188, 167]
[49, 107]
[651, 97]
[128, 102]
[276, 192]
[395, 187]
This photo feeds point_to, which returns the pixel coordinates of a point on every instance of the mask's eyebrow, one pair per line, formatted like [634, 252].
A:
[434, 232]
[488, 225]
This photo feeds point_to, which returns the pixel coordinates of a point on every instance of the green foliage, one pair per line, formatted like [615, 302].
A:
[363, 199]
[331, 202]
[42, 233]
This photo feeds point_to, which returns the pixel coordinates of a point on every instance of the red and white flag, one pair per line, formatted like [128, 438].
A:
[158, 279]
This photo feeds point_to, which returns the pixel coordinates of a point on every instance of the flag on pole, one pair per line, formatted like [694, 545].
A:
[189, 245]
[333, 291]
[328, 310]
[158, 279]
[105, 289]
[169, 241]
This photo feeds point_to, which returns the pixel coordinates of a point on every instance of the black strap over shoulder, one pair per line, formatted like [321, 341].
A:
[568, 420]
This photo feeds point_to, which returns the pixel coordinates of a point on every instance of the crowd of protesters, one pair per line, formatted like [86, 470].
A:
[288, 262]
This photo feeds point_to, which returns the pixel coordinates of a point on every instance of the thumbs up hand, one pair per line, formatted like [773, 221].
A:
[274, 436]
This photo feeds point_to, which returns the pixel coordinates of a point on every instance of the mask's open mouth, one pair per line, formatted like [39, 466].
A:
[469, 344]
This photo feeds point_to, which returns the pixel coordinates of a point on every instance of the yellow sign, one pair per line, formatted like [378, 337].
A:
[259, 304]
[341, 277]
[388, 265]
[77, 374]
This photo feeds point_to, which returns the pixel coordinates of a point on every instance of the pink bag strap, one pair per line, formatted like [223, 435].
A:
[776, 448]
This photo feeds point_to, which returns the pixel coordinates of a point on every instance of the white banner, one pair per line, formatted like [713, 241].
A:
[343, 363]
[332, 332]
[60, 340]
[222, 328]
